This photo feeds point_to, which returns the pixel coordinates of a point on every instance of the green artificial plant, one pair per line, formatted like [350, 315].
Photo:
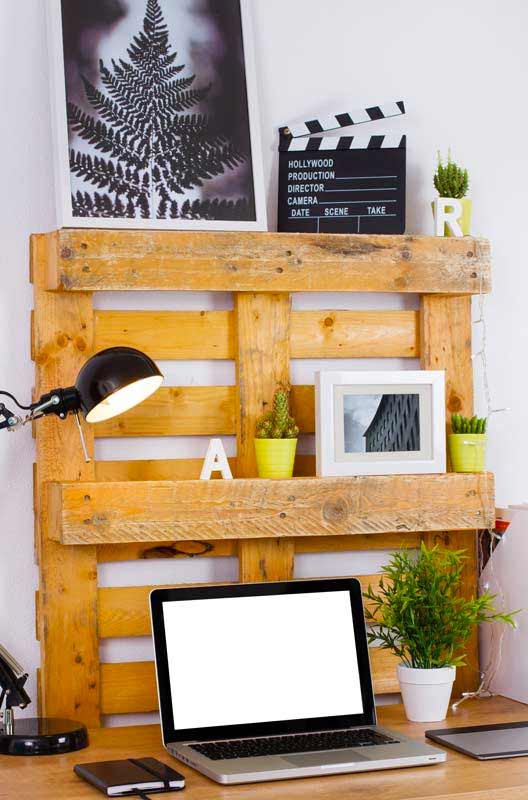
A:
[278, 423]
[461, 424]
[450, 180]
[419, 613]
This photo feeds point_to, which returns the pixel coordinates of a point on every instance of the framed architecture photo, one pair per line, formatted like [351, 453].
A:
[380, 423]
[155, 114]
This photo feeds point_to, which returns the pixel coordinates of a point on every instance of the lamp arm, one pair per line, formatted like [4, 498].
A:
[59, 401]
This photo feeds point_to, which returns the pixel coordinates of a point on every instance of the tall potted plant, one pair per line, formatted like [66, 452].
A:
[276, 438]
[452, 182]
[418, 613]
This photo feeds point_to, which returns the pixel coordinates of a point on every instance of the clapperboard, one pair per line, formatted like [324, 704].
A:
[343, 184]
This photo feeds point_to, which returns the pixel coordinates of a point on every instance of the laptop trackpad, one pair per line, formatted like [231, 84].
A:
[330, 757]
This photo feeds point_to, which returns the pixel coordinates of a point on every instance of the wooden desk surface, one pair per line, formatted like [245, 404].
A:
[463, 778]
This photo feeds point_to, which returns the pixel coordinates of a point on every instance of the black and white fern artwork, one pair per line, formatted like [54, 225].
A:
[157, 112]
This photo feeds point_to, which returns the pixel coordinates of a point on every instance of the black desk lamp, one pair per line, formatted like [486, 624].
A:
[111, 382]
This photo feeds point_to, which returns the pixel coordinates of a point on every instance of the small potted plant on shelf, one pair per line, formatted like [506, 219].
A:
[276, 438]
[418, 613]
[467, 443]
[451, 182]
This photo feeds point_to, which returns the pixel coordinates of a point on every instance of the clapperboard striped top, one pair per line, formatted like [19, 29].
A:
[342, 143]
[334, 121]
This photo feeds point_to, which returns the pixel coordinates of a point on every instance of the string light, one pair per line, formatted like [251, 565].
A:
[498, 631]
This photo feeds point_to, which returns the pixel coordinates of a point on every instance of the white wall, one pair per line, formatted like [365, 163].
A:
[312, 57]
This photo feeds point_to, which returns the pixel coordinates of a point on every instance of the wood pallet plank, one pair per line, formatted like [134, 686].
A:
[178, 335]
[124, 610]
[355, 334]
[262, 363]
[177, 411]
[106, 513]
[67, 597]
[196, 411]
[168, 334]
[124, 260]
[226, 548]
[446, 332]
[130, 687]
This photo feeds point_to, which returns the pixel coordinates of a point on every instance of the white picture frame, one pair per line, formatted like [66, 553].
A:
[63, 177]
[356, 405]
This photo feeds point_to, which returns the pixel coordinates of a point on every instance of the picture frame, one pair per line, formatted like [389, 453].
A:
[213, 181]
[380, 422]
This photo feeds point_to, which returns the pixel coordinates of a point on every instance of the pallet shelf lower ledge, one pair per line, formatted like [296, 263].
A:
[118, 512]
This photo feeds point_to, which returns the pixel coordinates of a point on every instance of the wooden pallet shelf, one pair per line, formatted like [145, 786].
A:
[124, 260]
[157, 511]
[102, 511]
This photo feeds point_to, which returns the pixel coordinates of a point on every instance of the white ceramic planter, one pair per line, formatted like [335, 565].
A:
[426, 692]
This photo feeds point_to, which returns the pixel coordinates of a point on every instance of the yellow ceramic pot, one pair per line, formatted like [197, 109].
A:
[464, 221]
[467, 451]
[275, 457]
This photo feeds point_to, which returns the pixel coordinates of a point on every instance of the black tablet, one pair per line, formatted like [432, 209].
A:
[505, 740]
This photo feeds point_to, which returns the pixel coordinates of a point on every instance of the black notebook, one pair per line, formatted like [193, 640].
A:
[121, 778]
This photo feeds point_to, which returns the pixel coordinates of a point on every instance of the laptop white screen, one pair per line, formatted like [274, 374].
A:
[239, 660]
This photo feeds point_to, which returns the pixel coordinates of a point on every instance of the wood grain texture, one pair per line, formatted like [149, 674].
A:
[266, 560]
[173, 469]
[262, 324]
[124, 610]
[67, 597]
[358, 542]
[168, 334]
[355, 334]
[446, 336]
[177, 469]
[111, 513]
[130, 687]
[446, 333]
[197, 411]
[177, 411]
[102, 260]
[210, 334]
[458, 778]
[225, 548]
[262, 331]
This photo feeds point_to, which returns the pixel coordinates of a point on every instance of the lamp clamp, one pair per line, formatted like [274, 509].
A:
[8, 419]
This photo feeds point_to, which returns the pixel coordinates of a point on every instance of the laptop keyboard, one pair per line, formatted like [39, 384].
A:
[299, 743]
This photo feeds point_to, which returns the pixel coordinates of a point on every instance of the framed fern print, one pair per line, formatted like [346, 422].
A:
[156, 116]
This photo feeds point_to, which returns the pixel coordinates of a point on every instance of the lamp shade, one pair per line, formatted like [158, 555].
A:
[115, 380]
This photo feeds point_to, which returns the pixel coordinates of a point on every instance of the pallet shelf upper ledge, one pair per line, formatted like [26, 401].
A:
[93, 260]
[157, 511]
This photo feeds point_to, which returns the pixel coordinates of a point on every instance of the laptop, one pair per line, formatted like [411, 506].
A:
[266, 681]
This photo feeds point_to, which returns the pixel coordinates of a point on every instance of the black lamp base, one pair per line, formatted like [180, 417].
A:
[38, 736]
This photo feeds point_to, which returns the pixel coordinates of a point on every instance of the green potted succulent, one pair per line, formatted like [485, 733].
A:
[452, 182]
[467, 443]
[418, 612]
[276, 438]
